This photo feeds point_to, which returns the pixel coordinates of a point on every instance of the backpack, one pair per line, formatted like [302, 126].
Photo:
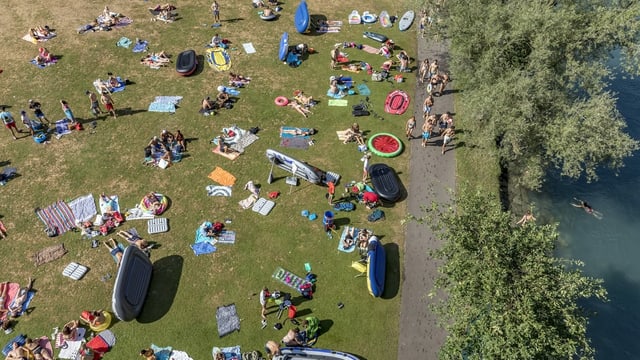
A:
[357, 113]
[376, 76]
[306, 291]
[376, 215]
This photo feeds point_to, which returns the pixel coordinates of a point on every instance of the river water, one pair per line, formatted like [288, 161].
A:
[610, 247]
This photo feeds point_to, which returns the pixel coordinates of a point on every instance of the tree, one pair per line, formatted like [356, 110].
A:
[535, 76]
[507, 297]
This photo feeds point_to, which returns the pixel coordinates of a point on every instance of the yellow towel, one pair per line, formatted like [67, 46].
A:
[222, 177]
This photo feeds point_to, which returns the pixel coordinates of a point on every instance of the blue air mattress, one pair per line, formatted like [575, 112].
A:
[301, 18]
[376, 267]
[284, 47]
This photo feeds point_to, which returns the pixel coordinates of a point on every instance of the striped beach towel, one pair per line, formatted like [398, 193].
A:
[58, 215]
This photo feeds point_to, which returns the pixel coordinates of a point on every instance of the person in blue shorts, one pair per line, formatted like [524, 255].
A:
[427, 128]
[37, 111]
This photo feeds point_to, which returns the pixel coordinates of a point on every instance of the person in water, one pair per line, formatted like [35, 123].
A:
[587, 208]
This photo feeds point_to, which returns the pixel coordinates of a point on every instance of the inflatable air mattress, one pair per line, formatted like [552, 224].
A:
[132, 284]
[369, 18]
[284, 47]
[219, 59]
[385, 20]
[301, 18]
[406, 20]
[376, 267]
[397, 102]
[312, 354]
[298, 168]
[186, 63]
[354, 18]
[374, 36]
[385, 182]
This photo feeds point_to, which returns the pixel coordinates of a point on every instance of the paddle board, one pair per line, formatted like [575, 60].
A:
[374, 36]
[354, 18]
[385, 20]
[301, 18]
[406, 20]
[369, 18]
[284, 47]
[219, 59]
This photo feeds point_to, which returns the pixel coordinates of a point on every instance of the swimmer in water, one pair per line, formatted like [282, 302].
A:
[587, 208]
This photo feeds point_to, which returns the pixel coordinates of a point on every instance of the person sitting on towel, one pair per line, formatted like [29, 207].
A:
[45, 54]
[222, 98]
[293, 338]
[15, 308]
[354, 134]
[93, 318]
[114, 249]
[38, 352]
[298, 132]
[223, 146]
[238, 80]
[70, 330]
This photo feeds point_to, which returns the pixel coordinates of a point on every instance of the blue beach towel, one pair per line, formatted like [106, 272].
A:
[124, 42]
[162, 107]
[62, 127]
[120, 87]
[161, 353]
[291, 128]
[203, 248]
[168, 99]
[20, 339]
[140, 46]
[363, 89]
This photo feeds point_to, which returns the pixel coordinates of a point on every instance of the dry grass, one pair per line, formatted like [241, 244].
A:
[187, 289]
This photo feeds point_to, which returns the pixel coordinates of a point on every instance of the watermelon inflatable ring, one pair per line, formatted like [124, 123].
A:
[385, 145]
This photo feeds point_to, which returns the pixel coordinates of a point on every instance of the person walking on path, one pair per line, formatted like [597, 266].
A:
[427, 129]
[448, 137]
[428, 104]
[409, 127]
[215, 9]
[107, 101]
[9, 122]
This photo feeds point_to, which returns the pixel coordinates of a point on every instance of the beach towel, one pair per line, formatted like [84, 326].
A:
[60, 341]
[213, 190]
[344, 235]
[42, 66]
[62, 127]
[369, 49]
[226, 237]
[248, 48]
[25, 305]
[222, 177]
[230, 352]
[339, 95]
[169, 99]
[248, 202]
[300, 131]
[49, 254]
[161, 353]
[228, 320]
[140, 46]
[83, 207]
[202, 248]
[201, 234]
[363, 89]
[33, 40]
[109, 204]
[338, 102]
[290, 279]
[20, 339]
[295, 143]
[137, 214]
[162, 107]
[245, 140]
[124, 42]
[179, 355]
[71, 350]
[57, 215]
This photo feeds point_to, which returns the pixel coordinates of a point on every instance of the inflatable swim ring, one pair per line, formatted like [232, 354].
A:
[146, 204]
[385, 145]
[282, 101]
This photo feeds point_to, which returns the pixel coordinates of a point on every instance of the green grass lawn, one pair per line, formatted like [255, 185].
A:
[185, 291]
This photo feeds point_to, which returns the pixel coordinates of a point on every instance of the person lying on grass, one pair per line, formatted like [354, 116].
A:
[114, 250]
[300, 108]
[303, 99]
[238, 80]
[15, 308]
[38, 352]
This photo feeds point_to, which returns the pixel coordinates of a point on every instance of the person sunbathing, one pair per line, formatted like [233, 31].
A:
[354, 134]
[238, 80]
[93, 318]
[152, 199]
[303, 99]
[39, 353]
[148, 354]
[224, 147]
[348, 240]
[222, 98]
[4, 287]
[15, 308]
[164, 15]
[166, 6]
[114, 249]
[70, 330]
[298, 132]
[299, 108]
[17, 352]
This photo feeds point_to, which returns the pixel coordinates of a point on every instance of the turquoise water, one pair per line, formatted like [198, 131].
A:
[610, 247]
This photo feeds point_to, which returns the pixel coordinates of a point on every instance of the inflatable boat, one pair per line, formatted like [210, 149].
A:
[369, 18]
[219, 59]
[301, 18]
[132, 284]
[296, 167]
[295, 353]
[375, 36]
[186, 63]
[385, 182]
[396, 102]
[376, 267]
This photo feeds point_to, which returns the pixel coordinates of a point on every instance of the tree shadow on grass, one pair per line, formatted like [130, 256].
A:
[392, 276]
[163, 288]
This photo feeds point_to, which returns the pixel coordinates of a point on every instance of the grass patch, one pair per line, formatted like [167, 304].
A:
[186, 289]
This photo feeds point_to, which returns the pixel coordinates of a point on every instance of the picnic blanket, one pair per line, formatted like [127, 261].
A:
[124, 42]
[57, 215]
[300, 132]
[228, 320]
[222, 177]
[49, 254]
[288, 278]
[140, 46]
[71, 350]
[83, 207]
[248, 48]
[62, 127]
[369, 49]
[109, 204]
[165, 104]
[42, 66]
[213, 190]
[295, 143]
[137, 213]
[60, 341]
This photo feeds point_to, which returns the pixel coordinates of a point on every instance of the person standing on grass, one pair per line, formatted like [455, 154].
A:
[365, 166]
[67, 111]
[9, 122]
[37, 111]
[411, 125]
[331, 191]
[107, 101]
[95, 105]
[26, 121]
[264, 297]
[448, 137]
[215, 9]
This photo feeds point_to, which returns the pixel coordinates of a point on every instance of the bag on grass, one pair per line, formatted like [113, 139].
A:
[51, 231]
[376, 215]
[357, 113]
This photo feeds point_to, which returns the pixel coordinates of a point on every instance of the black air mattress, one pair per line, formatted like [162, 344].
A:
[132, 284]
[385, 182]
[186, 63]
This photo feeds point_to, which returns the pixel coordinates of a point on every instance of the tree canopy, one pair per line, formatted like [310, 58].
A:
[535, 77]
[507, 297]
